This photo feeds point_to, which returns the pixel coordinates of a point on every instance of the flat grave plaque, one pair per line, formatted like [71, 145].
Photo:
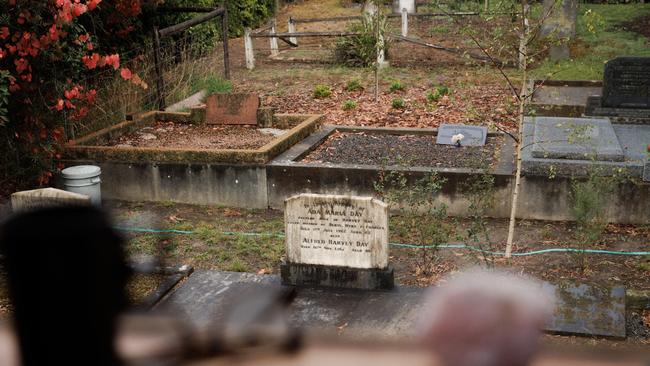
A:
[472, 135]
[332, 230]
[626, 83]
[232, 109]
[575, 139]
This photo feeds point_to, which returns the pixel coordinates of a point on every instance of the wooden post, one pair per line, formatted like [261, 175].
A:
[291, 28]
[248, 49]
[224, 32]
[405, 22]
[274, 40]
[160, 83]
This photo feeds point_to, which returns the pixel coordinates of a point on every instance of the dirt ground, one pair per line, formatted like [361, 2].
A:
[215, 244]
[639, 25]
[251, 241]
[183, 135]
[412, 150]
[480, 95]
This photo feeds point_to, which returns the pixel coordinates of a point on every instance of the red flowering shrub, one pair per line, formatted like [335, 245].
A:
[47, 47]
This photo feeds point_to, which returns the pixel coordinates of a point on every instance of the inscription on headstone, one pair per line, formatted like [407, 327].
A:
[334, 230]
[472, 135]
[626, 83]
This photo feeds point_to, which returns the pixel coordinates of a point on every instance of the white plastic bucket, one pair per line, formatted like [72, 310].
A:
[84, 179]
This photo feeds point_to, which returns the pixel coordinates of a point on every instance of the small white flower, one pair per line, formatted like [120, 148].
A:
[456, 139]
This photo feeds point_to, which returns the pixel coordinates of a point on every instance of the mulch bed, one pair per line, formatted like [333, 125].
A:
[179, 135]
[411, 150]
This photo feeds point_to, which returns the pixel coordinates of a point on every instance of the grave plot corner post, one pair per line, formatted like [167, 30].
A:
[291, 28]
[248, 49]
[405, 22]
[274, 40]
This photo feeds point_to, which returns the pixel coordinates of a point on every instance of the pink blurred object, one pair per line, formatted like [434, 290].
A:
[485, 318]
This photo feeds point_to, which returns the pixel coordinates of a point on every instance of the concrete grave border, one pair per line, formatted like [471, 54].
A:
[86, 148]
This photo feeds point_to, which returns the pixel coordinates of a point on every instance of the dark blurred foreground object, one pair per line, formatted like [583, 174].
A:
[66, 274]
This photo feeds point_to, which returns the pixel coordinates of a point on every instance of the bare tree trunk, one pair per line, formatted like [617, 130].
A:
[523, 66]
[377, 43]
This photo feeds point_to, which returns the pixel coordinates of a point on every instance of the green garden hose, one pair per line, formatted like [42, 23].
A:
[400, 245]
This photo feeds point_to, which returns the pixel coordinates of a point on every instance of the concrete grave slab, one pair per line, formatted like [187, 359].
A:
[208, 297]
[473, 135]
[588, 309]
[232, 109]
[634, 140]
[575, 138]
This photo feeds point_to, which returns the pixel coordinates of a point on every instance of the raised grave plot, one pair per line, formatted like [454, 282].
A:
[185, 137]
[182, 135]
[407, 149]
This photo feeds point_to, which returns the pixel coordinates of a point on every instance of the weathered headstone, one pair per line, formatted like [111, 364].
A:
[560, 17]
[46, 197]
[232, 109]
[626, 83]
[576, 139]
[626, 90]
[646, 171]
[472, 135]
[336, 241]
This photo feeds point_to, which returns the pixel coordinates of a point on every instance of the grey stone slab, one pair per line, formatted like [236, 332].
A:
[634, 140]
[626, 83]
[565, 95]
[208, 297]
[575, 138]
[585, 309]
[567, 167]
[646, 171]
[473, 135]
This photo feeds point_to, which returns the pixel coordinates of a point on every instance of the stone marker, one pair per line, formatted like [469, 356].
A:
[575, 139]
[232, 109]
[646, 171]
[46, 197]
[336, 241]
[473, 135]
[626, 90]
[560, 25]
[626, 83]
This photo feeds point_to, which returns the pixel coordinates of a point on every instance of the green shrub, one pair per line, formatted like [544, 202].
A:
[361, 50]
[354, 85]
[322, 91]
[588, 202]
[397, 86]
[437, 93]
[349, 105]
[399, 103]
[213, 84]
